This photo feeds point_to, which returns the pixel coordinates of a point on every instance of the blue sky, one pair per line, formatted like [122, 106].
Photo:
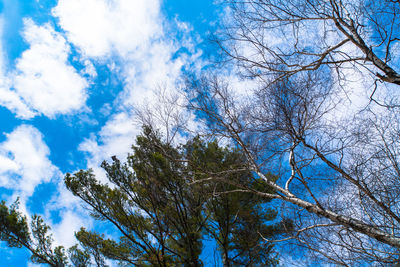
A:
[71, 74]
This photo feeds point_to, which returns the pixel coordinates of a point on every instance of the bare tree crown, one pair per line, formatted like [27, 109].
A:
[339, 175]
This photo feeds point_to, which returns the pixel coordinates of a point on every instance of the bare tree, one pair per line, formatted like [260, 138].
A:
[339, 171]
[339, 178]
[164, 112]
[279, 38]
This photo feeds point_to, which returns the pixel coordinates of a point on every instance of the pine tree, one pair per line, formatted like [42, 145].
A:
[14, 230]
[163, 203]
[237, 219]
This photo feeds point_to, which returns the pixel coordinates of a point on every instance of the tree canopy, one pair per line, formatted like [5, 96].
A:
[320, 111]
[162, 207]
[316, 131]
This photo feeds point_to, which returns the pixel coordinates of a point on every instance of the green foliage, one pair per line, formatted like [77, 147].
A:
[78, 257]
[237, 218]
[163, 202]
[42, 249]
[14, 230]
[157, 214]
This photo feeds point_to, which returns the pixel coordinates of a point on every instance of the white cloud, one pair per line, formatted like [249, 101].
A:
[89, 69]
[99, 27]
[114, 139]
[45, 83]
[24, 164]
[155, 68]
[71, 222]
[1, 47]
[44, 80]
[135, 32]
[24, 161]
[9, 98]
[13, 102]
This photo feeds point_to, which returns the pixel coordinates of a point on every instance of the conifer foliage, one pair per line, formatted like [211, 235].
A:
[165, 203]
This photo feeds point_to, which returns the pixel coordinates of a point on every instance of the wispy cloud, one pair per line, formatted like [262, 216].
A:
[99, 28]
[43, 82]
[136, 38]
[9, 98]
[44, 79]
[25, 163]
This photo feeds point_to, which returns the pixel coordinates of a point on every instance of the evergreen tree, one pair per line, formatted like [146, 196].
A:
[237, 219]
[14, 230]
[163, 202]
[158, 215]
